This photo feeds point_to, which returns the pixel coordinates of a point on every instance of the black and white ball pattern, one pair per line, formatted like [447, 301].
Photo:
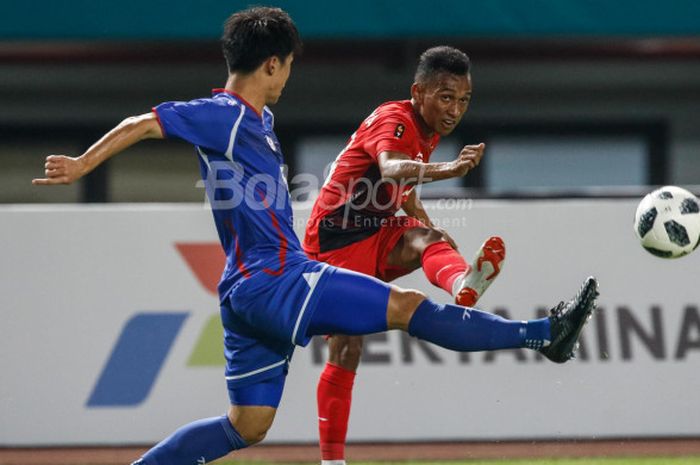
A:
[667, 222]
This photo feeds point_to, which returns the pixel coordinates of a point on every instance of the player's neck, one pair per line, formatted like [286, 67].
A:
[425, 129]
[248, 88]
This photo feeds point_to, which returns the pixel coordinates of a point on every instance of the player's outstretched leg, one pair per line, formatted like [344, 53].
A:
[485, 267]
[556, 336]
[377, 307]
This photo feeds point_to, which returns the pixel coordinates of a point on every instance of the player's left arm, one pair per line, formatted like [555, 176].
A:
[413, 207]
[62, 169]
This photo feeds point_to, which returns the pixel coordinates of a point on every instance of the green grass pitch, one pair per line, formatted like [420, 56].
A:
[577, 461]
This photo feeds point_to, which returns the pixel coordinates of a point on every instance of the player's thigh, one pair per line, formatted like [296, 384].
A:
[253, 406]
[350, 303]
[343, 350]
[262, 393]
[256, 363]
[356, 304]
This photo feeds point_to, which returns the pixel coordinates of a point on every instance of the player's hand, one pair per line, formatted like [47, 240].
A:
[60, 169]
[447, 237]
[469, 158]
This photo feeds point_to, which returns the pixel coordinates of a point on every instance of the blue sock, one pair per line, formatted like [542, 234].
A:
[202, 441]
[468, 330]
[537, 334]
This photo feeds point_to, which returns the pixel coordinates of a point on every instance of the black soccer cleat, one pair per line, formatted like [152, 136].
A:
[567, 321]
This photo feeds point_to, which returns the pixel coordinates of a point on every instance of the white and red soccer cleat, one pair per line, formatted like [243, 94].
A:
[484, 270]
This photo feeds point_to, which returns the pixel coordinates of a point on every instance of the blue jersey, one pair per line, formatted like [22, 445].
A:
[269, 290]
[241, 164]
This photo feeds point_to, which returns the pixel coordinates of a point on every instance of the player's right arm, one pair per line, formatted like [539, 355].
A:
[400, 167]
[61, 169]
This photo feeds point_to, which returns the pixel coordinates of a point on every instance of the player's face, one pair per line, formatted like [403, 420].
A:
[442, 101]
[280, 77]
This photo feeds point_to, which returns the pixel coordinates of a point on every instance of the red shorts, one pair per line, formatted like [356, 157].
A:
[369, 256]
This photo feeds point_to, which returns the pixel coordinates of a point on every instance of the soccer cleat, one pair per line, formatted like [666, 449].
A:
[466, 297]
[567, 321]
[484, 270]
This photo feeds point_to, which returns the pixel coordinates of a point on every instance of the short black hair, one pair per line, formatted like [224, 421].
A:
[252, 36]
[441, 59]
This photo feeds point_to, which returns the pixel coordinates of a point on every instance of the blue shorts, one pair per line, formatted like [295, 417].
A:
[265, 317]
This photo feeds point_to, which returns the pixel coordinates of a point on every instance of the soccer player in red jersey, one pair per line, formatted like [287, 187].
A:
[354, 224]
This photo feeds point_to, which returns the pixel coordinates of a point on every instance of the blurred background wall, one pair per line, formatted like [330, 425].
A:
[572, 97]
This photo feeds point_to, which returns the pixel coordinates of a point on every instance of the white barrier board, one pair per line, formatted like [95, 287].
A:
[85, 291]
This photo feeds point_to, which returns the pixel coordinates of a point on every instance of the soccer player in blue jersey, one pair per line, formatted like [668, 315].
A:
[272, 296]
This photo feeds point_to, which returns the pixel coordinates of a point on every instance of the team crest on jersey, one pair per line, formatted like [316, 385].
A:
[398, 132]
[271, 143]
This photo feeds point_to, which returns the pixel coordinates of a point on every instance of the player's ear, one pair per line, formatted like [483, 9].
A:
[271, 65]
[417, 92]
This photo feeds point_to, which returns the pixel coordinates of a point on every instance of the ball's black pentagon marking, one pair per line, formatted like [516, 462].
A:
[689, 206]
[677, 233]
[646, 221]
[659, 253]
[665, 195]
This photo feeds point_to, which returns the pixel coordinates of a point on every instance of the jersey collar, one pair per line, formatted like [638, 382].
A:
[245, 102]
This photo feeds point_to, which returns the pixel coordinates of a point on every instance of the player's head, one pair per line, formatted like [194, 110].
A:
[261, 38]
[442, 88]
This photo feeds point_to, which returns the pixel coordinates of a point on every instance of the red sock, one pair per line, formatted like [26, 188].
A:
[442, 265]
[334, 396]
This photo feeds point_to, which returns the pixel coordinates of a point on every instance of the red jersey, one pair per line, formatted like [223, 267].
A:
[354, 201]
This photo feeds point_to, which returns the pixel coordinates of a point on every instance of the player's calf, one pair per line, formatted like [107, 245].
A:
[202, 441]
[446, 268]
[334, 396]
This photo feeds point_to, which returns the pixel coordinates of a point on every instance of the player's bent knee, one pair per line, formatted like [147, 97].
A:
[433, 235]
[420, 239]
[251, 422]
[345, 351]
[252, 434]
[402, 305]
[353, 350]
[255, 437]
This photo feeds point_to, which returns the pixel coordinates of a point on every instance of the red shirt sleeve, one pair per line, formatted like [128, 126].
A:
[392, 135]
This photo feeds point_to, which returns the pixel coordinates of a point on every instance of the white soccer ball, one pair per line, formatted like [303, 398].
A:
[667, 222]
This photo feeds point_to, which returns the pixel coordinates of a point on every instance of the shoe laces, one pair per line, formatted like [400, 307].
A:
[558, 311]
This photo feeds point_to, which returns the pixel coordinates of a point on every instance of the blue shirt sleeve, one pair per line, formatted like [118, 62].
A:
[207, 123]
